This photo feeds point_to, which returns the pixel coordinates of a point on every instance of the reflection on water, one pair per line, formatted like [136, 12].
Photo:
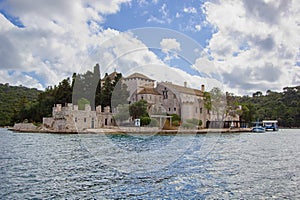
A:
[238, 166]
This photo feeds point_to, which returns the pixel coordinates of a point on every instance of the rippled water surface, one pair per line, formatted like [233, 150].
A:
[212, 166]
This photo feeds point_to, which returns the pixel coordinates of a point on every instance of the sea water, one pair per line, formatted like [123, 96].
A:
[99, 166]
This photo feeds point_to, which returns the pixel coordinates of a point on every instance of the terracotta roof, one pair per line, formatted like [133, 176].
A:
[138, 75]
[182, 89]
[149, 91]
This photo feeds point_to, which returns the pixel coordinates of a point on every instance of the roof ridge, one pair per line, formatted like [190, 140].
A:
[138, 75]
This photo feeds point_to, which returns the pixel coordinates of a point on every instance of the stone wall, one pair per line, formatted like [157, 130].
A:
[69, 118]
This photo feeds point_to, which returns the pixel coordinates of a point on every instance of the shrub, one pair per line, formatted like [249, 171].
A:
[145, 121]
[175, 123]
[188, 125]
[200, 123]
[193, 121]
[175, 117]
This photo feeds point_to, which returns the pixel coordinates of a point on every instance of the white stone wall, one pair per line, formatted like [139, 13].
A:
[136, 84]
[172, 103]
[70, 118]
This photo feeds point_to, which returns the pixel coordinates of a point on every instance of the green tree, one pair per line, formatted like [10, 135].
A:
[218, 103]
[122, 112]
[145, 120]
[138, 109]
[106, 93]
[120, 94]
[82, 102]
[86, 86]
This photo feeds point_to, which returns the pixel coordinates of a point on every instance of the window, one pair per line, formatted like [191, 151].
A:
[165, 93]
[84, 120]
[174, 108]
[169, 109]
[76, 119]
[200, 110]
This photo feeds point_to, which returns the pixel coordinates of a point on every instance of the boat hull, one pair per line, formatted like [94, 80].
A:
[258, 129]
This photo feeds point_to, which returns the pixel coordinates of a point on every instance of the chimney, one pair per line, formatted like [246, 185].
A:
[202, 88]
[185, 84]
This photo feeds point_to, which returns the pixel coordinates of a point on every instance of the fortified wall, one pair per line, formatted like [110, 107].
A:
[72, 119]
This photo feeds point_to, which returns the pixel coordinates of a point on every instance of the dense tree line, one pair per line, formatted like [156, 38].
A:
[282, 106]
[18, 103]
[14, 101]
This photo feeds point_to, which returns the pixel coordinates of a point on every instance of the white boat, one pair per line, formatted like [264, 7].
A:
[270, 125]
[258, 128]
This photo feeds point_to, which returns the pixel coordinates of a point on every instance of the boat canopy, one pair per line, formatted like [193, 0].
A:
[270, 121]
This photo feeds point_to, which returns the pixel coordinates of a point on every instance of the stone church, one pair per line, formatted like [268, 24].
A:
[167, 98]
[163, 98]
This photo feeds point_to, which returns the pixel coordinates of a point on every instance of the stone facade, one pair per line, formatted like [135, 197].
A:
[70, 118]
[136, 82]
[169, 98]
[164, 98]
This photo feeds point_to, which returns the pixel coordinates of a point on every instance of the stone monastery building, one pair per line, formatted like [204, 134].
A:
[162, 97]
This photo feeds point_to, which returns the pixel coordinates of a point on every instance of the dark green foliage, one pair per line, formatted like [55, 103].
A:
[123, 112]
[18, 103]
[15, 103]
[192, 123]
[138, 109]
[282, 106]
[145, 121]
[119, 95]
[188, 125]
[82, 102]
[175, 117]
[87, 86]
[113, 92]
[176, 123]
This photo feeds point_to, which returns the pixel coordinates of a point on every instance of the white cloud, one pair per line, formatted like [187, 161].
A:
[17, 78]
[198, 27]
[191, 10]
[169, 44]
[164, 18]
[155, 19]
[5, 24]
[256, 43]
[56, 39]
[171, 47]
[128, 55]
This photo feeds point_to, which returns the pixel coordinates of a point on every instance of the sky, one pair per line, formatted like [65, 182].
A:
[242, 46]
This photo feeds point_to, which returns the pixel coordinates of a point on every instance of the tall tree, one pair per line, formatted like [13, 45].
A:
[138, 109]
